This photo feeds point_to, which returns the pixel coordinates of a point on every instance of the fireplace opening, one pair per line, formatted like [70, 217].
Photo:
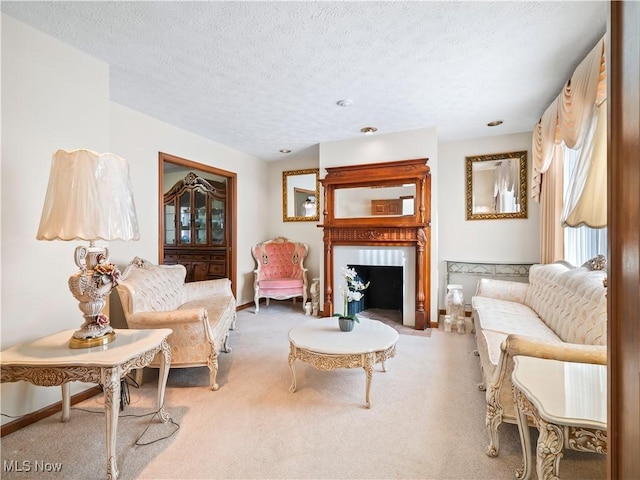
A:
[385, 290]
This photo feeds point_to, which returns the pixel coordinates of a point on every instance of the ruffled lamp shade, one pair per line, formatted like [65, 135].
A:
[89, 197]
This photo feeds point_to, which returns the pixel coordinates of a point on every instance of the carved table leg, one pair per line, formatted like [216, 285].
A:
[162, 379]
[493, 420]
[111, 385]
[368, 368]
[66, 402]
[522, 408]
[292, 359]
[549, 450]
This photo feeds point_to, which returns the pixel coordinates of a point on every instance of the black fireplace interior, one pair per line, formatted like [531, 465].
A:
[385, 288]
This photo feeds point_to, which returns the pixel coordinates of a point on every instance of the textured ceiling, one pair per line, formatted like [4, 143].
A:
[261, 76]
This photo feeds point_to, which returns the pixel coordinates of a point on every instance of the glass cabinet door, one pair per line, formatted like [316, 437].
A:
[170, 224]
[185, 218]
[195, 227]
[200, 206]
[217, 221]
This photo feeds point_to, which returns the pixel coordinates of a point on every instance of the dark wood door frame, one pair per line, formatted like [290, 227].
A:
[623, 204]
[231, 178]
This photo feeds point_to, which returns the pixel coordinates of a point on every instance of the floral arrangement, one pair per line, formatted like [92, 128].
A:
[351, 290]
[93, 285]
[108, 273]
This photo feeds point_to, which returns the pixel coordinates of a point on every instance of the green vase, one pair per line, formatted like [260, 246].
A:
[346, 324]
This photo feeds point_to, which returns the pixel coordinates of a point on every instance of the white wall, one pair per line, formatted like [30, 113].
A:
[54, 96]
[421, 143]
[510, 240]
[306, 232]
[139, 138]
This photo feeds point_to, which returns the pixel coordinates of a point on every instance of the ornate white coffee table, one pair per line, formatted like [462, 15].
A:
[321, 343]
[567, 402]
[48, 361]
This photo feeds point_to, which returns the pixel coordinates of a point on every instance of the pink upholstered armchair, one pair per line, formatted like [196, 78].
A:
[280, 272]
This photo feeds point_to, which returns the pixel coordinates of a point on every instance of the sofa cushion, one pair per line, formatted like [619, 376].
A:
[511, 317]
[276, 283]
[498, 318]
[218, 309]
[501, 307]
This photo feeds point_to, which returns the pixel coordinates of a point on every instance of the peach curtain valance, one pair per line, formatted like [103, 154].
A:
[545, 134]
[569, 116]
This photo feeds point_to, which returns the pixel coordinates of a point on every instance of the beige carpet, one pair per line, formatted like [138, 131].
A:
[426, 422]
[394, 319]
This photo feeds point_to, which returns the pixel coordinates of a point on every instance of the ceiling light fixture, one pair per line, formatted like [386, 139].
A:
[285, 150]
[495, 123]
[344, 103]
[368, 130]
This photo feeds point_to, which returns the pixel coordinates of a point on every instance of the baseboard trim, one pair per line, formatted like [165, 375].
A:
[244, 306]
[45, 412]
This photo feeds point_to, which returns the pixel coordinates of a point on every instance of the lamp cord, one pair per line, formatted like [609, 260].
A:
[125, 398]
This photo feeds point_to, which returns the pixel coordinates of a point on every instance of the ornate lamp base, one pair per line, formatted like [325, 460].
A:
[91, 287]
[92, 342]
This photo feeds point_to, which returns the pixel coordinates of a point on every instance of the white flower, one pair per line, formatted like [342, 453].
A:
[352, 290]
[354, 296]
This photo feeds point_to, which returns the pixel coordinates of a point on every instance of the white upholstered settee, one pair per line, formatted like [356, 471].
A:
[560, 314]
[199, 313]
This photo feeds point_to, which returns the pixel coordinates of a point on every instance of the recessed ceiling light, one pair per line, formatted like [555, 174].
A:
[495, 123]
[368, 130]
[344, 103]
[285, 150]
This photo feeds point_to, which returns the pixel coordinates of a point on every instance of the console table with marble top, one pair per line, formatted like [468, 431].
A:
[567, 402]
[48, 361]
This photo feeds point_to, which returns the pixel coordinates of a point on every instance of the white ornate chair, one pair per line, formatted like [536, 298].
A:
[199, 313]
[280, 272]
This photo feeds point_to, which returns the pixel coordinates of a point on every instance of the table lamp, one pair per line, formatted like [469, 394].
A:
[89, 197]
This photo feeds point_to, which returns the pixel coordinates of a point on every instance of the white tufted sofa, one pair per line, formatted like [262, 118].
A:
[561, 314]
[199, 313]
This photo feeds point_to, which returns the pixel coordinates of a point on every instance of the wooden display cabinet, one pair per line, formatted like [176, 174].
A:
[195, 212]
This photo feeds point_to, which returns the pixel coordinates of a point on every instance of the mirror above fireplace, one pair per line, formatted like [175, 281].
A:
[382, 200]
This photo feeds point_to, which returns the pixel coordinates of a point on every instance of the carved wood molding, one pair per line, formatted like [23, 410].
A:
[413, 230]
[374, 235]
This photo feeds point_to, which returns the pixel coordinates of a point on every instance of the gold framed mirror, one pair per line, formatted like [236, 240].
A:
[300, 195]
[496, 186]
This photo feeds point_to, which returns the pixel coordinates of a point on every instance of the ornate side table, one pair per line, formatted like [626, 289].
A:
[568, 404]
[48, 361]
[320, 343]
